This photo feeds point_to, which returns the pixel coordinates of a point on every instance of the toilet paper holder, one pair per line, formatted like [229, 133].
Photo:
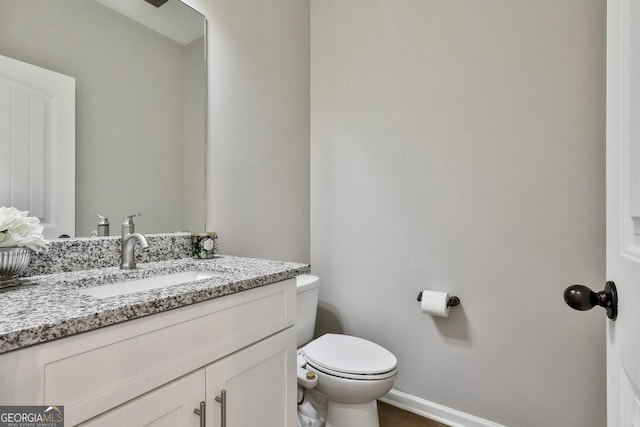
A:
[453, 301]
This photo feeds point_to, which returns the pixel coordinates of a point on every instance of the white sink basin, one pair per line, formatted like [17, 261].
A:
[156, 282]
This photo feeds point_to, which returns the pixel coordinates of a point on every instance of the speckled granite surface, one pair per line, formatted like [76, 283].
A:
[87, 253]
[52, 306]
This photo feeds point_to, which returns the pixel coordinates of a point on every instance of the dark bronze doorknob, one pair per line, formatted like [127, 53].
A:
[582, 298]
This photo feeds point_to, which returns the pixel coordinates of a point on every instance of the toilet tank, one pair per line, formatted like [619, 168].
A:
[307, 303]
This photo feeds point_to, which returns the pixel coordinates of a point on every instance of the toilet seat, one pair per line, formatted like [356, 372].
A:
[350, 357]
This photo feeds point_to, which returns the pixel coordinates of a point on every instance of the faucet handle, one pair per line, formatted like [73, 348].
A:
[102, 220]
[129, 218]
[127, 223]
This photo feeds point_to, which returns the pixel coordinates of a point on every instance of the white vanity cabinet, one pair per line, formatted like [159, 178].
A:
[156, 370]
[254, 382]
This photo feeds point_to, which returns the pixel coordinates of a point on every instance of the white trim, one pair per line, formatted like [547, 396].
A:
[435, 411]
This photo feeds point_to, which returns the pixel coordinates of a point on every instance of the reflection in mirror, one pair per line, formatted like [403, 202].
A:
[140, 104]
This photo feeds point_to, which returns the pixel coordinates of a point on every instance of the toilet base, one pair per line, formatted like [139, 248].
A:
[350, 415]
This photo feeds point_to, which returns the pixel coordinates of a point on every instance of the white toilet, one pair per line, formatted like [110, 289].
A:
[350, 373]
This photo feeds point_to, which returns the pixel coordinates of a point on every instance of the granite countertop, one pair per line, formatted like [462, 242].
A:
[52, 306]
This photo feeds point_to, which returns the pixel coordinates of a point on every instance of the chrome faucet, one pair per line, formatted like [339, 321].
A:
[128, 258]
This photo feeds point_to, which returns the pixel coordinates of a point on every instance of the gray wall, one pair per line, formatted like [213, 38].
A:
[258, 126]
[130, 103]
[455, 145]
[459, 146]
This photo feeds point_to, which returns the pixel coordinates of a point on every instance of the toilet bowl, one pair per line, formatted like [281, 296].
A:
[351, 372]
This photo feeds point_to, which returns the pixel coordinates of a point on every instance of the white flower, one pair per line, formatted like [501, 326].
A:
[19, 229]
[6, 240]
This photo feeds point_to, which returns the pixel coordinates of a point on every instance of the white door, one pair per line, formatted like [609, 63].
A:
[255, 386]
[37, 144]
[623, 210]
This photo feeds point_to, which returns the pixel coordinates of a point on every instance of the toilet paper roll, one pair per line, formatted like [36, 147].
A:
[435, 303]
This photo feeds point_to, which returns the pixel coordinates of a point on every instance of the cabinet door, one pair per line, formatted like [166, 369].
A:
[171, 405]
[259, 384]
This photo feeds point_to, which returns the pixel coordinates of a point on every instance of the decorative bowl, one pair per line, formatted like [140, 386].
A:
[13, 261]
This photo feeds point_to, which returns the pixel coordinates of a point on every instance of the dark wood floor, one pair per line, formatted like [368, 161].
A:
[390, 416]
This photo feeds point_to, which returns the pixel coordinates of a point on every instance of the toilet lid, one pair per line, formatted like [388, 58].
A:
[350, 355]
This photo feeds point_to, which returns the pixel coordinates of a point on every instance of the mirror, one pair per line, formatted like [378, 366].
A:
[140, 103]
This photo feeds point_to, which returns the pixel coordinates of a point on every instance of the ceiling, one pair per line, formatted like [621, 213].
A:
[173, 19]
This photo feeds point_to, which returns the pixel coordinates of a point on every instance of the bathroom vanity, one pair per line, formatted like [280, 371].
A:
[187, 354]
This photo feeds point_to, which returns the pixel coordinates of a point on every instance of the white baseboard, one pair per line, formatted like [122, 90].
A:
[434, 411]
